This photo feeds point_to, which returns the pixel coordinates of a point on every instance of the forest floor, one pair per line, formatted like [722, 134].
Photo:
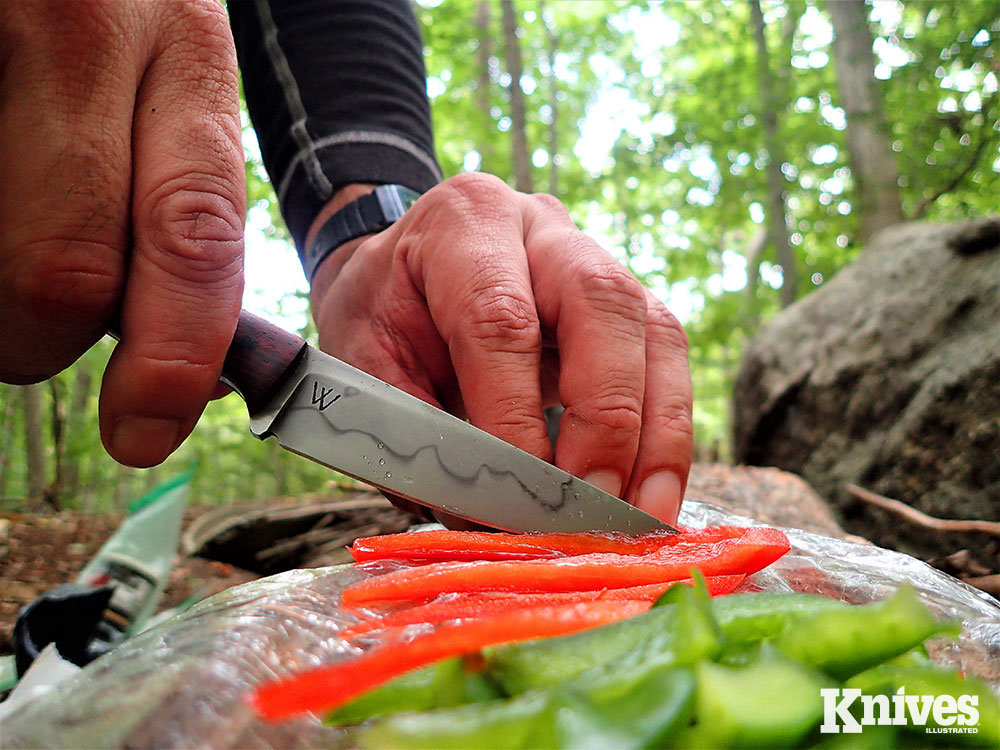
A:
[39, 552]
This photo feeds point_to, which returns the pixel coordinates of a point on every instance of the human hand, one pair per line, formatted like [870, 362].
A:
[492, 304]
[123, 188]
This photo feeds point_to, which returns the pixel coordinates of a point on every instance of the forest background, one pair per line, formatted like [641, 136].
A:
[733, 153]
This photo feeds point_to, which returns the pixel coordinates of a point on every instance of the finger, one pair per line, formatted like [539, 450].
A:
[185, 276]
[66, 98]
[666, 443]
[467, 259]
[597, 309]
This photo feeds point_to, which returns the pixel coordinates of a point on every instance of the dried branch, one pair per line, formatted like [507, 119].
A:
[984, 140]
[922, 519]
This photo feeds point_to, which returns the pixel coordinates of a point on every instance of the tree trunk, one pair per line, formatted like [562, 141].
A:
[553, 129]
[57, 421]
[754, 251]
[122, 494]
[7, 413]
[34, 442]
[484, 82]
[769, 105]
[522, 164]
[83, 384]
[873, 165]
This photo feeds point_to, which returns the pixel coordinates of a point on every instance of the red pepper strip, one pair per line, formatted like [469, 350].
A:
[325, 688]
[460, 606]
[757, 548]
[436, 546]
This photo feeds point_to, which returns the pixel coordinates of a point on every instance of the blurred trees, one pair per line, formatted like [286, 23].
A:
[873, 164]
[733, 153]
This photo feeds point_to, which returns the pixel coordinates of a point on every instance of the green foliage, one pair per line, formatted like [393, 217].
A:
[651, 114]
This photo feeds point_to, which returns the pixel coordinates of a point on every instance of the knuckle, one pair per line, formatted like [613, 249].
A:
[199, 38]
[473, 185]
[550, 203]
[473, 195]
[504, 321]
[617, 413]
[197, 229]
[663, 326]
[675, 418]
[61, 279]
[518, 421]
[608, 284]
[619, 409]
[199, 17]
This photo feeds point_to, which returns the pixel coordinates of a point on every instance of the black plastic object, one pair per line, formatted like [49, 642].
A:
[70, 616]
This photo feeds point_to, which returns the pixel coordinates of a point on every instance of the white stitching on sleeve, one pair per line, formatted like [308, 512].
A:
[357, 136]
[307, 148]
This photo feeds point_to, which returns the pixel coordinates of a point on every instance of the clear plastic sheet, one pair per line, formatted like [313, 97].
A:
[184, 683]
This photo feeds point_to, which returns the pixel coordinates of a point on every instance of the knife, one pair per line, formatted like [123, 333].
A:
[341, 417]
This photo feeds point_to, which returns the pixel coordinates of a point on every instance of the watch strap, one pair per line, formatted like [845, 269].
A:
[368, 214]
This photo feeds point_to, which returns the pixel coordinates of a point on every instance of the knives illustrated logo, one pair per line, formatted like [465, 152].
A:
[323, 397]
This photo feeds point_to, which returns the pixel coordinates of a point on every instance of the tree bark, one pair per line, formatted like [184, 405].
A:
[873, 165]
[553, 129]
[123, 493]
[522, 163]
[754, 251]
[83, 384]
[34, 443]
[769, 105]
[57, 421]
[7, 412]
[484, 81]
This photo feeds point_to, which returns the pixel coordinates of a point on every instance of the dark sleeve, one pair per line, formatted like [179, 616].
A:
[337, 94]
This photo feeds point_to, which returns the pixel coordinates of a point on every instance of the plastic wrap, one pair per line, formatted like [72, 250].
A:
[184, 683]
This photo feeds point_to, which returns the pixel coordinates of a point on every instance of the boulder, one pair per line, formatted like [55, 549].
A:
[888, 377]
[770, 496]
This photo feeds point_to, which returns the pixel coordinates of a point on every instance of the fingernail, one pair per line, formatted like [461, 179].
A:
[144, 441]
[609, 481]
[660, 496]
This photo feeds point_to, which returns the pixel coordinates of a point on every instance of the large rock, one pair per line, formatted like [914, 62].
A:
[888, 376]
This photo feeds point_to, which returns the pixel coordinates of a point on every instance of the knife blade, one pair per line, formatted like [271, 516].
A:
[328, 411]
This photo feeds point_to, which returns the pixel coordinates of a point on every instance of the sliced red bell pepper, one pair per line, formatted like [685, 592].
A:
[464, 606]
[439, 545]
[755, 549]
[328, 687]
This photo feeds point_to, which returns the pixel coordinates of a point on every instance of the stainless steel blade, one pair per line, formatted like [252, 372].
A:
[350, 421]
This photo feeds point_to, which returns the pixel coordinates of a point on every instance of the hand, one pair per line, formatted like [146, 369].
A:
[492, 304]
[123, 189]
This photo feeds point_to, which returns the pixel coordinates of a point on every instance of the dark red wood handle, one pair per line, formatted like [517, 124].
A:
[260, 359]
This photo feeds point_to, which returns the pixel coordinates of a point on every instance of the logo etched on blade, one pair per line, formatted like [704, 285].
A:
[323, 396]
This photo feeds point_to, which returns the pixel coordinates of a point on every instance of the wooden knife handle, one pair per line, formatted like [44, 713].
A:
[260, 359]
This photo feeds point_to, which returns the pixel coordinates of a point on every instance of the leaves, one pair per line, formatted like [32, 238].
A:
[655, 113]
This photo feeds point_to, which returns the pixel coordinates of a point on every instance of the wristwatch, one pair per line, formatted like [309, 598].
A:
[368, 214]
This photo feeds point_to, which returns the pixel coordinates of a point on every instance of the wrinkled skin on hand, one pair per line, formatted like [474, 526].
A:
[492, 304]
[123, 187]
[124, 190]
